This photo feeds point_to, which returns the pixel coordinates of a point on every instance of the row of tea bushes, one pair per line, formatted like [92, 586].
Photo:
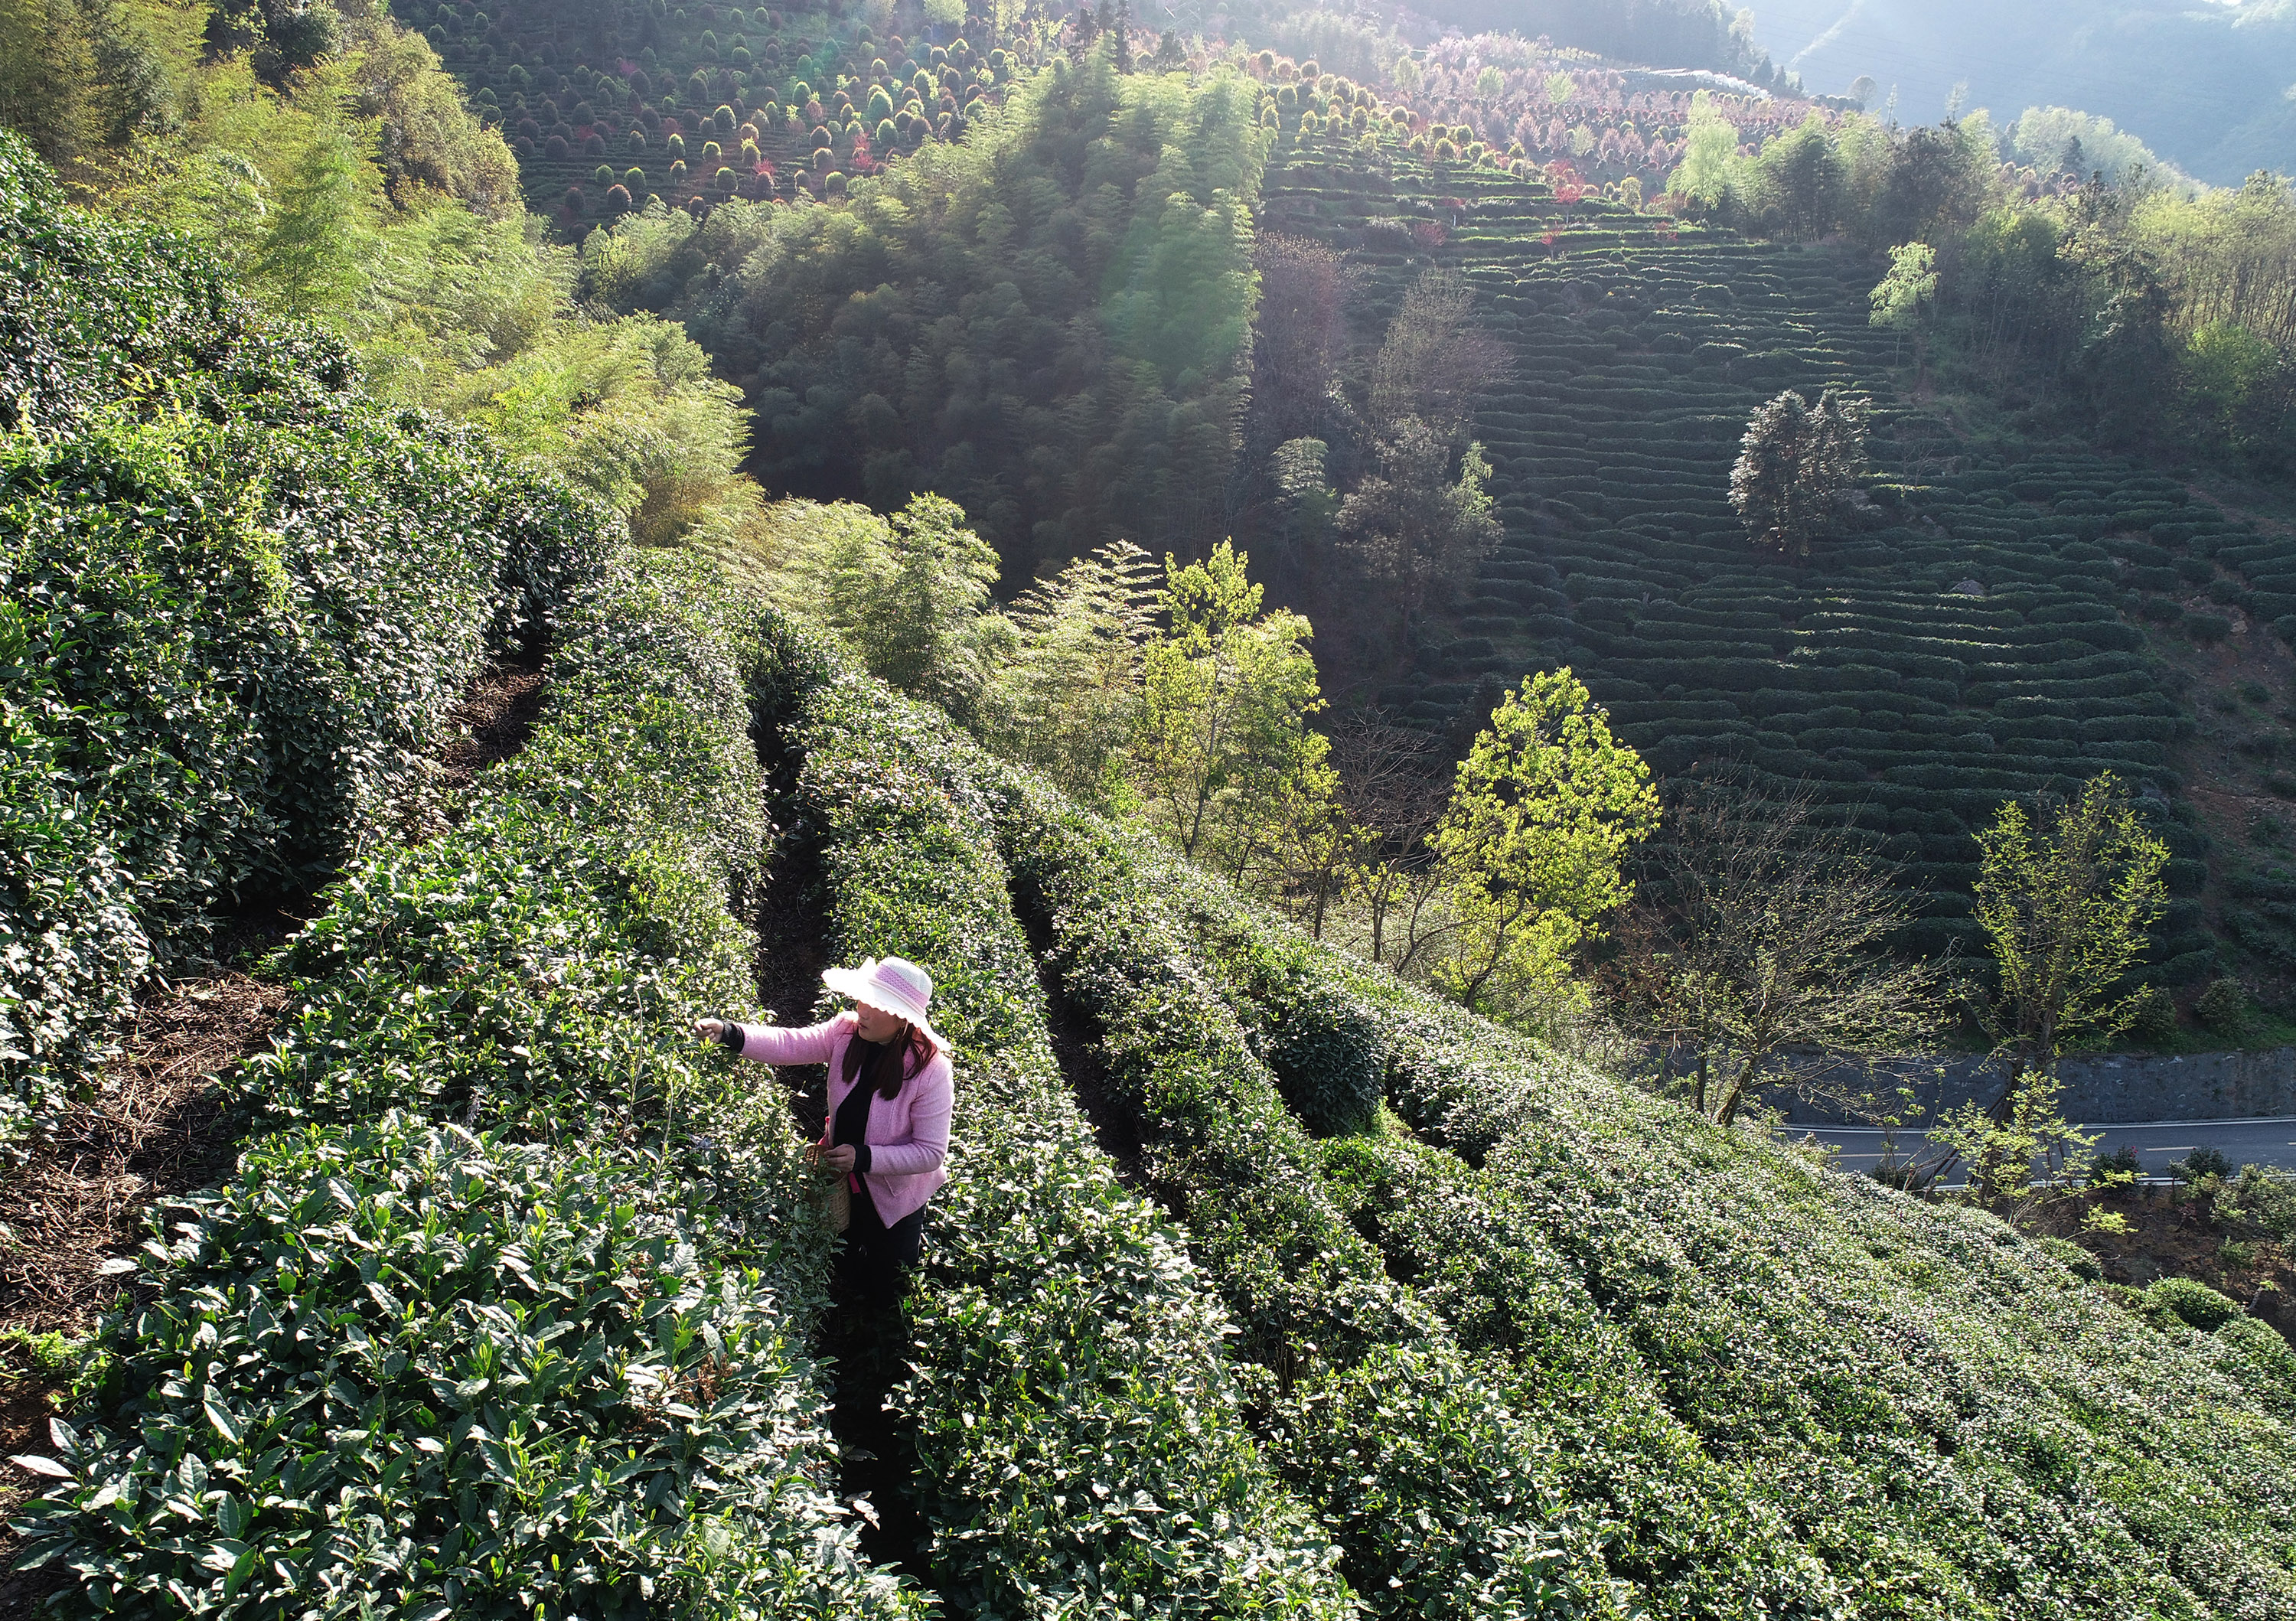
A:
[1078, 1434]
[236, 605]
[481, 1326]
[1442, 1478]
[1879, 1377]
[568, 106]
[93, 311]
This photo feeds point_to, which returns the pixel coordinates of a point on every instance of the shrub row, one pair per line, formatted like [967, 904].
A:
[1872, 1377]
[1080, 1438]
[484, 1327]
[1442, 1479]
[229, 637]
[94, 310]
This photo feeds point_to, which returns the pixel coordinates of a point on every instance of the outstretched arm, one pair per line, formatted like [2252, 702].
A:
[771, 1044]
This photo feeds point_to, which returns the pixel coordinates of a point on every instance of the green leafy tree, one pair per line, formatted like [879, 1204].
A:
[1800, 177]
[2235, 386]
[1223, 754]
[1797, 465]
[909, 593]
[1709, 155]
[1412, 527]
[312, 256]
[2065, 901]
[1903, 299]
[2066, 898]
[1309, 503]
[1545, 810]
[2024, 1153]
[47, 75]
[1065, 695]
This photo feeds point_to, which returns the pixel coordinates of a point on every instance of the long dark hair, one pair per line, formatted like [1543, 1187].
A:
[916, 1052]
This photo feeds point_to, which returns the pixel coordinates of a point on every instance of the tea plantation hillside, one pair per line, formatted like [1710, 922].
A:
[629, 95]
[1264, 1285]
[1982, 635]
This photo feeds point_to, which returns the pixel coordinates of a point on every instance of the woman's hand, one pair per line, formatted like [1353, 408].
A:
[709, 1029]
[837, 1158]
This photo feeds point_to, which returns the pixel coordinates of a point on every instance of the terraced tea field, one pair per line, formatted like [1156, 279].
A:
[595, 102]
[1982, 635]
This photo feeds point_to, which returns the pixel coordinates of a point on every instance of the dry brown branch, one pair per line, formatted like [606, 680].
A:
[1760, 931]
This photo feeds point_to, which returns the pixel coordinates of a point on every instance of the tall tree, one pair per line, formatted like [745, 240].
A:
[1545, 807]
[311, 258]
[1435, 363]
[1065, 694]
[1413, 526]
[1760, 929]
[1709, 155]
[1796, 466]
[1223, 753]
[1903, 299]
[1393, 791]
[1298, 340]
[2066, 896]
[909, 593]
[1801, 177]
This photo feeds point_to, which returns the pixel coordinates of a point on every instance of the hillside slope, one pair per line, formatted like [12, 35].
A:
[2203, 86]
[1537, 1341]
[1265, 1286]
[1989, 632]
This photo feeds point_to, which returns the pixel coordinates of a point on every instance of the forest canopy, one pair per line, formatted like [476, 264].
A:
[1047, 324]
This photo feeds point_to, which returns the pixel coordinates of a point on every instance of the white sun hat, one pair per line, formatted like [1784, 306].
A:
[894, 984]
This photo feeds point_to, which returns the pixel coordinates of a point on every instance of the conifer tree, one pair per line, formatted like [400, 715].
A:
[1796, 466]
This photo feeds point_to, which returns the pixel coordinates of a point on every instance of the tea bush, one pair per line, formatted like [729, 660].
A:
[1358, 1429]
[398, 1364]
[94, 310]
[1079, 1433]
[2193, 1302]
[236, 605]
[556, 1362]
[1646, 1273]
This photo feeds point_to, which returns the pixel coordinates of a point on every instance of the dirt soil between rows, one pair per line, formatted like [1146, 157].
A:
[159, 1129]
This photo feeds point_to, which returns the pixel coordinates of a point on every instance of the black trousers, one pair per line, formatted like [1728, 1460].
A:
[874, 1260]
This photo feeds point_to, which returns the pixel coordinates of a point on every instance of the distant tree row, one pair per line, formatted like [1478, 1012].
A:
[2154, 313]
[1048, 324]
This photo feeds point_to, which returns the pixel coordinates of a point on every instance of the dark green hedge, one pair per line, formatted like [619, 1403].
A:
[1079, 1435]
[229, 637]
[509, 1311]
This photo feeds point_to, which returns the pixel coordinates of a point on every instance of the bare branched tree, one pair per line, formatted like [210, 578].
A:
[1299, 338]
[1393, 785]
[1758, 942]
[1436, 364]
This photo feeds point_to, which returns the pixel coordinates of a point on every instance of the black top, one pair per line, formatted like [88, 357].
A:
[852, 1123]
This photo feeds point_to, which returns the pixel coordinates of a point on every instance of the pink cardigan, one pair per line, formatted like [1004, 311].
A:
[908, 1132]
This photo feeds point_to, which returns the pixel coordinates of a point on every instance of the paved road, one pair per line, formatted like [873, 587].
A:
[2266, 1141]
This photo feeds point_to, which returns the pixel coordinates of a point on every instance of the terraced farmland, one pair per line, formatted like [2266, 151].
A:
[610, 91]
[1982, 635]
